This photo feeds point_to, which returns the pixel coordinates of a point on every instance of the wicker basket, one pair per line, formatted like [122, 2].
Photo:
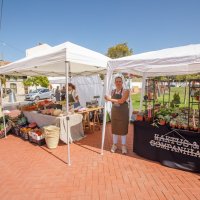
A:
[51, 135]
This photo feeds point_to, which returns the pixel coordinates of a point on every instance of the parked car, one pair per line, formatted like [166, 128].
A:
[42, 93]
[172, 84]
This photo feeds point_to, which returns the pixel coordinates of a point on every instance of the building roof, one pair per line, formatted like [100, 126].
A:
[3, 62]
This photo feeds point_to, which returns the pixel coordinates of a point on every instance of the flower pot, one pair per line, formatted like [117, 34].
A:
[135, 112]
[185, 127]
[162, 122]
[191, 128]
[174, 115]
[197, 98]
[148, 119]
[179, 126]
[173, 125]
[195, 128]
[150, 95]
[139, 118]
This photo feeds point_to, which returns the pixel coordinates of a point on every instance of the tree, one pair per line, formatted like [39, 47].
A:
[3, 84]
[37, 81]
[3, 80]
[119, 50]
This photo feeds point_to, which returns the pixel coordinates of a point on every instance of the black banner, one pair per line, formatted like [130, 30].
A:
[173, 148]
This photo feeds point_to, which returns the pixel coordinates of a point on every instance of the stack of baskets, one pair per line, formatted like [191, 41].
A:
[51, 135]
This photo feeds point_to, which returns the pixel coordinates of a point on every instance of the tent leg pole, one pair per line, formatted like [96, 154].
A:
[104, 128]
[67, 110]
[4, 123]
[104, 118]
[130, 101]
[142, 92]
[4, 120]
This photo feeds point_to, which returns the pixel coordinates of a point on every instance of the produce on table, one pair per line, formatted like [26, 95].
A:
[32, 125]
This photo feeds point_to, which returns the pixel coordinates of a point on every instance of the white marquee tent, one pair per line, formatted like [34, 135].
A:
[166, 62]
[52, 62]
[66, 59]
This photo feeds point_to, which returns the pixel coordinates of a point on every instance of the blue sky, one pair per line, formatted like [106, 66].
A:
[98, 24]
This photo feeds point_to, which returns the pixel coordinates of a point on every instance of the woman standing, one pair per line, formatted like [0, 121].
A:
[119, 114]
[63, 93]
[72, 95]
[57, 94]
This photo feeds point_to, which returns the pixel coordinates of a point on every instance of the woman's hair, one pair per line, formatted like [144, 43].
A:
[118, 77]
[72, 86]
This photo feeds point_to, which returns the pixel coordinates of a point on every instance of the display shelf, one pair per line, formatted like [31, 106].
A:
[149, 98]
[193, 103]
[152, 89]
[184, 130]
[187, 117]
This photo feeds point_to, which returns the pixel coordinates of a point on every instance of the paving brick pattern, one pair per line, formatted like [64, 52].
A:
[33, 172]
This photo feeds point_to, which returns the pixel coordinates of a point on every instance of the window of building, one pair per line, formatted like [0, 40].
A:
[13, 87]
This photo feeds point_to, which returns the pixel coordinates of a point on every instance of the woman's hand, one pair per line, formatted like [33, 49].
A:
[124, 97]
[107, 98]
[120, 101]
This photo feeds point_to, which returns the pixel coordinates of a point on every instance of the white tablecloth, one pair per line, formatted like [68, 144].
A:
[75, 124]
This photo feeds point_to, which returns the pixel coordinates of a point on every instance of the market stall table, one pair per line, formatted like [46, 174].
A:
[174, 148]
[86, 117]
[75, 124]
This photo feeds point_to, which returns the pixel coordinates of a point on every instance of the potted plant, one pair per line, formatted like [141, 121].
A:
[167, 118]
[147, 119]
[172, 124]
[175, 112]
[197, 95]
[140, 116]
[176, 100]
[185, 125]
[191, 126]
[178, 122]
[179, 125]
[195, 128]
[161, 119]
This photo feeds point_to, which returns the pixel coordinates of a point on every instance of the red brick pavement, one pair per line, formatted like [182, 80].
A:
[33, 172]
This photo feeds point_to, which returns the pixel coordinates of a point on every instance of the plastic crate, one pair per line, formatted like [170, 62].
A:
[38, 142]
[16, 130]
[24, 136]
[34, 138]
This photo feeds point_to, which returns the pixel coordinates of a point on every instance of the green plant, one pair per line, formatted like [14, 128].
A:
[36, 81]
[176, 100]
[167, 118]
[6, 119]
[173, 123]
[164, 112]
[161, 117]
[197, 93]
[1, 127]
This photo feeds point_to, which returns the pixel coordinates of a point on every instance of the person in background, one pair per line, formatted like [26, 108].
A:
[72, 95]
[57, 94]
[63, 93]
[119, 114]
[0, 99]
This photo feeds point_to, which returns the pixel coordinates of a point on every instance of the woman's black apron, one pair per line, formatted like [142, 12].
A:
[119, 116]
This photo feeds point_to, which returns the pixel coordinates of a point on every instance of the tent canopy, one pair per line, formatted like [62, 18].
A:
[51, 62]
[166, 62]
